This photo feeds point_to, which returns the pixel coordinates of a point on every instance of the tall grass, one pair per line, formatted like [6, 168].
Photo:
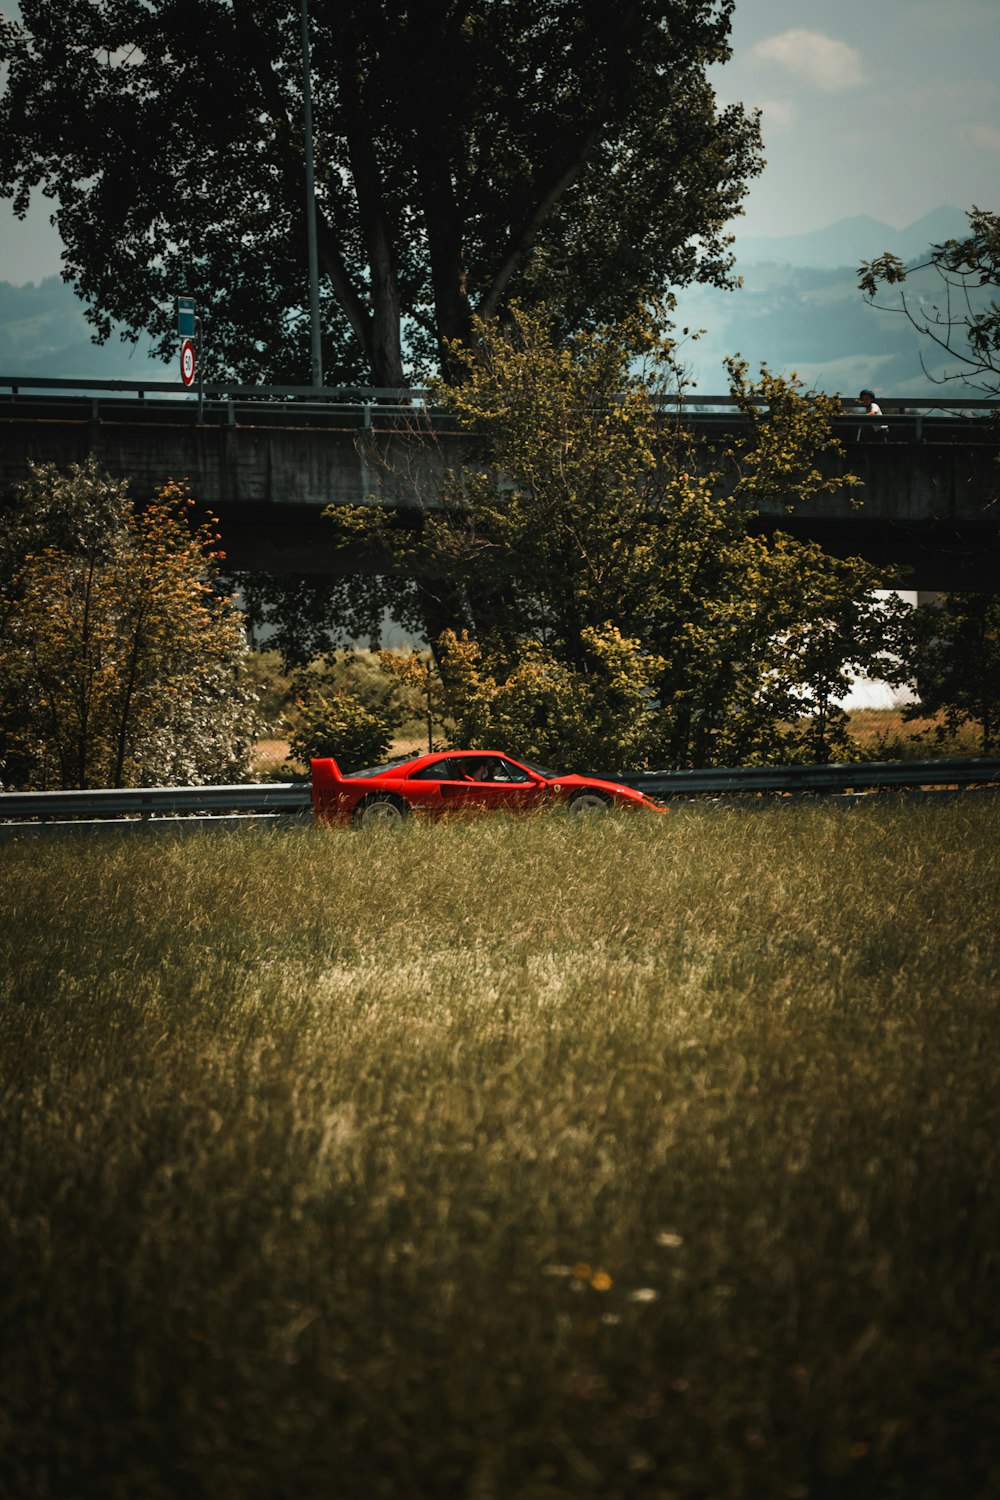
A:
[512, 1159]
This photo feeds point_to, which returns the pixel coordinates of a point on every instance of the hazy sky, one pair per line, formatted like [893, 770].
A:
[884, 107]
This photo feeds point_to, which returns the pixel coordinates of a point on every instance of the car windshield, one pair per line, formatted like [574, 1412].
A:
[540, 770]
[390, 765]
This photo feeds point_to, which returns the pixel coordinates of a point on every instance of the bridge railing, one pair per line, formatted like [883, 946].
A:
[228, 404]
[215, 404]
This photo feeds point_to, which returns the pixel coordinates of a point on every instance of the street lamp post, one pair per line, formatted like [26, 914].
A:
[317, 351]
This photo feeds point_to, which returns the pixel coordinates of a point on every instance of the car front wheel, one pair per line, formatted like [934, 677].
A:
[381, 812]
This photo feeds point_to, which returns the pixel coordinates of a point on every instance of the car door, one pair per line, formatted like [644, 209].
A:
[483, 783]
[488, 783]
[465, 788]
[423, 789]
[505, 786]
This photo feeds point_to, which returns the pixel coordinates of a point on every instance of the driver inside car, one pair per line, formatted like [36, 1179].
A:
[477, 770]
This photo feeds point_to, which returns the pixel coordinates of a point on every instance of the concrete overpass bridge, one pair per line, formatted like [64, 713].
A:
[267, 460]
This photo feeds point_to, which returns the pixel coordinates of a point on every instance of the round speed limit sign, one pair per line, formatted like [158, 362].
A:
[187, 362]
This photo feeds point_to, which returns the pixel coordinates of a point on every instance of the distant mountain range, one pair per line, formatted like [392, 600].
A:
[43, 332]
[799, 309]
[850, 241]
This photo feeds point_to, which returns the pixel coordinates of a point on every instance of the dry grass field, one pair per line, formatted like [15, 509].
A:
[505, 1161]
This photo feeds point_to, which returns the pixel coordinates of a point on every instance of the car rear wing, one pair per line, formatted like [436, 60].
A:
[326, 780]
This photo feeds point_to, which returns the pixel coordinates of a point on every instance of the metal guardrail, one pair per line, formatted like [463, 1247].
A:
[142, 808]
[857, 776]
[277, 803]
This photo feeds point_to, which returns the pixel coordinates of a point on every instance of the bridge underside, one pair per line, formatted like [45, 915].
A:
[931, 556]
[936, 555]
[929, 499]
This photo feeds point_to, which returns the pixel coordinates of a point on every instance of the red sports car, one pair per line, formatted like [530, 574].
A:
[459, 781]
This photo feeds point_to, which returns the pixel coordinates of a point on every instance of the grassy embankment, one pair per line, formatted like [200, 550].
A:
[644, 1157]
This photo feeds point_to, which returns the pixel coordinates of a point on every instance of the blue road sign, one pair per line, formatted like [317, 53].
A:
[185, 317]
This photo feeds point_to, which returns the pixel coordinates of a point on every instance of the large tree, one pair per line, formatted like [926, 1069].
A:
[466, 151]
[589, 593]
[121, 662]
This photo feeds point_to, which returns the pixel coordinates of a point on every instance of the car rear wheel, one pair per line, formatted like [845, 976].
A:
[381, 812]
[589, 801]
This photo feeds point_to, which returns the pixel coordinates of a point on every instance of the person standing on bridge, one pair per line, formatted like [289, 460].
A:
[872, 409]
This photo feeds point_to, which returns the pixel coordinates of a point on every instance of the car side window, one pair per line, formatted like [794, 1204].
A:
[507, 771]
[438, 770]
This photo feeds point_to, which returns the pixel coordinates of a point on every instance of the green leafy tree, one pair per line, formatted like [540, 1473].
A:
[956, 665]
[584, 514]
[121, 663]
[465, 152]
[546, 709]
[340, 725]
[963, 319]
[303, 617]
[349, 704]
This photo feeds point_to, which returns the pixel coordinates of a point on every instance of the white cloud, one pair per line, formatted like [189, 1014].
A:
[987, 137]
[821, 60]
[779, 114]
